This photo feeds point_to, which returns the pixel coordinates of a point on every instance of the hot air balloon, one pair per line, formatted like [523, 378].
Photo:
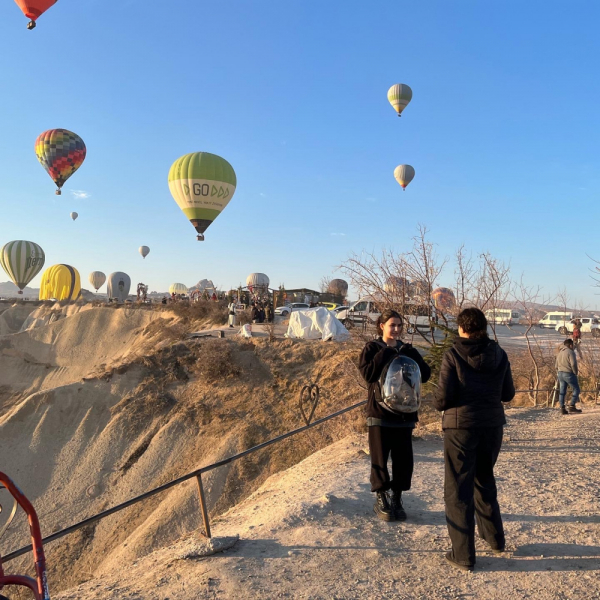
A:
[144, 251]
[61, 153]
[60, 282]
[399, 96]
[202, 184]
[118, 286]
[33, 9]
[74, 215]
[443, 298]
[178, 288]
[22, 261]
[257, 281]
[97, 279]
[404, 174]
[339, 287]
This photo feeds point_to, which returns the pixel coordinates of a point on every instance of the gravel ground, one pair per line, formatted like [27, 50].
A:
[310, 532]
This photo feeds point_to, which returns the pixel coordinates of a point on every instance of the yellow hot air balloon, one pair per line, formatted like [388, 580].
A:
[60, 282]
[399, 95]
[404, 174]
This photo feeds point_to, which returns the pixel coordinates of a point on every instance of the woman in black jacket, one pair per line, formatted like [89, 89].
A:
[389, 432]
[475, 379]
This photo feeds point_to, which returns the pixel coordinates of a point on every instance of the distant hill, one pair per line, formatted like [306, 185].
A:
[9, 290]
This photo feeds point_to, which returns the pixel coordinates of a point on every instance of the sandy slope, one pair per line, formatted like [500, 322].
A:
[309, 532]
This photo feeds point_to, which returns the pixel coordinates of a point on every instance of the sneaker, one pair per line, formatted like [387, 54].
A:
[397, 508]
[382, 507]
[563, 411]
[450, 560]
[574, 409]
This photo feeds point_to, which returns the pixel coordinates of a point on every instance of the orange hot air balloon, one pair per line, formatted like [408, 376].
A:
[33, 9]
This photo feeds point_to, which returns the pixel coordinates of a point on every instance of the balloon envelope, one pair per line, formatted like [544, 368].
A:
[74, 215]
[22, 261]
[61, 153]
[32, 9]
[399, 95]
[60, 282]
[257, 280]
[443, 298]
[144, 251]
[404, 174]
[338, 286]
[118, 286]
[97, 279]
[178, 288]
[202, 184]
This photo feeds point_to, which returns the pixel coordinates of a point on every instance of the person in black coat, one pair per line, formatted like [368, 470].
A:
[475, 381]
[389, 432]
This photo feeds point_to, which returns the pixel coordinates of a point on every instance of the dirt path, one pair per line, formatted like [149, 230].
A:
[310, 532]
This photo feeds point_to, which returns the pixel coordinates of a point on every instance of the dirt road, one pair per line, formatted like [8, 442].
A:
[310, 532]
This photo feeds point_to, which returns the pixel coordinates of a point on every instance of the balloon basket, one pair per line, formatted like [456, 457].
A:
[20, 292]
[31, 25]
[58, 193]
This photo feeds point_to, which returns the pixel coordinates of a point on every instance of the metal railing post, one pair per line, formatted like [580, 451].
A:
[203, 506]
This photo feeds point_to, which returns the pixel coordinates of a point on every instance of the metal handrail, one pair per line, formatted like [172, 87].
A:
[197, 474]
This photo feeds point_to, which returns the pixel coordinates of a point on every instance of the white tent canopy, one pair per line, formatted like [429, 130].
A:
[316, 324]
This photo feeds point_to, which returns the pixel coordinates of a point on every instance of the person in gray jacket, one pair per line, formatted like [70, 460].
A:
[566, 367]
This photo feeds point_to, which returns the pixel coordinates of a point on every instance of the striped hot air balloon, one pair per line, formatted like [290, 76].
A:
[61, 153]
[97, 279]
[202, 184]
[22, 261]
[399, 95]
[60, 282]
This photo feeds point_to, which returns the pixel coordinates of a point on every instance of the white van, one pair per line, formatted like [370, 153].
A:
[502, 316]
[552, 319]
[367, 310]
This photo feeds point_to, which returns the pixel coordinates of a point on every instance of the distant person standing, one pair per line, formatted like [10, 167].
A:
[475, 379]
[577, 336]
[231, 309]
[567, 370]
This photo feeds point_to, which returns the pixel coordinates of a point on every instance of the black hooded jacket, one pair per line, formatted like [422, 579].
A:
[374, 357]
[475, 379]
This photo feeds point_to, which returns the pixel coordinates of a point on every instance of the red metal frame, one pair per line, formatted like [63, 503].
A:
[39, 585]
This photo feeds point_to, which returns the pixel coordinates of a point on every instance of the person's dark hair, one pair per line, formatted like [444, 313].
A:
[473, 322]
[568, 342]
[385, 316]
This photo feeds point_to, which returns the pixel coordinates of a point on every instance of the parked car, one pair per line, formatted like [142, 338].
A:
[284, 311]
[552, 319]
[588, 325]
[330, 305]
[503, 316]
[416, 315]
[339, 309]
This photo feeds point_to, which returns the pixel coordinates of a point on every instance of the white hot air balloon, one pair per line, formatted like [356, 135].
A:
[144, 251]
[74, 215]
[257, 281]
[404, 174]
[178, 288]
[118, 286]
[97, 279]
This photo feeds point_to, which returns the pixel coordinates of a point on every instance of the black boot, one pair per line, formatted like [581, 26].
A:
[563, 411]
[382, 507]
[574, 409]
[397, 508]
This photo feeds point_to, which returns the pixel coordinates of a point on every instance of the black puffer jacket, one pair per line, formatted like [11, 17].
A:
[375, 356]
[475, 379]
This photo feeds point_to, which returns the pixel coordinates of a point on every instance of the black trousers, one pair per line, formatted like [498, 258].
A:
[470, 489]
[396, 441]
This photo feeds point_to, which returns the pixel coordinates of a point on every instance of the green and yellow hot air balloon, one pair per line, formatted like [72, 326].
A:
[399, 95]
[22, 261]
[60, 282]
[202, 184]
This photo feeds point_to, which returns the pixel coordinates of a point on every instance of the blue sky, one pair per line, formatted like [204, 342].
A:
[502, 132]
